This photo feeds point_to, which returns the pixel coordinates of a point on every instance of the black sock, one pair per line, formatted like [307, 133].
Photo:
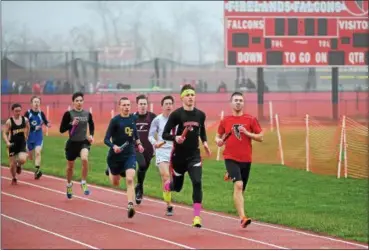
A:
[141, 173]
[37, 167]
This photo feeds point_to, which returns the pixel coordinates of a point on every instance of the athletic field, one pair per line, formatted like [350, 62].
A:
[280, 195]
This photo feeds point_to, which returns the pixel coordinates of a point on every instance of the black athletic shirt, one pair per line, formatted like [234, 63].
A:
[17, 135]
[194, 119]
[143, 123]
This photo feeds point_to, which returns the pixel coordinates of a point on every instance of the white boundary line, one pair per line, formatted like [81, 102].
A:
[153, 216]
[49, 232]
[218, 215]
[98, 221]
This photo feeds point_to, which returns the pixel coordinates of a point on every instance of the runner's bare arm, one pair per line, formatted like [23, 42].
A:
[220, 132]
[6, 132]
[27, 129]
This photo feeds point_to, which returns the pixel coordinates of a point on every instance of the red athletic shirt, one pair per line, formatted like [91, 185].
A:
[238, 147]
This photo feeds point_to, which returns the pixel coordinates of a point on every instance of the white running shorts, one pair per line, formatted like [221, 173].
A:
[162, 155]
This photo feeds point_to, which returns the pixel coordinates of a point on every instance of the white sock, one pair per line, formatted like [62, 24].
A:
[69, 184]
[83, 182]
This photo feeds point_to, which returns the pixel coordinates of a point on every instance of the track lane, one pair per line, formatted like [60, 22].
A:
[275, 235]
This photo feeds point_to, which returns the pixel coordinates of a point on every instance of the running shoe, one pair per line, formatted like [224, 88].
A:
[131, 211]
[38, 174]
[196, 222]
[169, 211]
[69, 192]
[85, 189]
[245, 222]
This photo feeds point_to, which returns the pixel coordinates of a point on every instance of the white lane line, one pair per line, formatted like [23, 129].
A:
[219, 215]
[49, 232]
[154, 216]
[98, 221]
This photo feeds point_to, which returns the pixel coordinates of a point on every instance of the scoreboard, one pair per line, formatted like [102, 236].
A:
[296, 33]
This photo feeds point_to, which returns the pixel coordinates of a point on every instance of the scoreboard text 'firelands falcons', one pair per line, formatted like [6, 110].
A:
[296, 33]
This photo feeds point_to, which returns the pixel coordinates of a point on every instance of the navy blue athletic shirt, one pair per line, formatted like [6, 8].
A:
[120, 130]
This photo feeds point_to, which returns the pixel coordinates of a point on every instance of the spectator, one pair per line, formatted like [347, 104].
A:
[27, 89]
[15, 88]
[49, 87]
[5, 86]
[36, 88]
[222, 88]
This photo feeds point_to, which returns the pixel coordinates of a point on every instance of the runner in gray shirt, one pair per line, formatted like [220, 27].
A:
[75, 122]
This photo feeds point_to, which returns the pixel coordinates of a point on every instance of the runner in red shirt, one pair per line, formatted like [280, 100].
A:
[236, 132]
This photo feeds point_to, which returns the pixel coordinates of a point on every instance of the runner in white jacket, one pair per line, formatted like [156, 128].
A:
[163, 149]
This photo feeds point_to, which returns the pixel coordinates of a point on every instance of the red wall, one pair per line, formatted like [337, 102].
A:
[285, 104]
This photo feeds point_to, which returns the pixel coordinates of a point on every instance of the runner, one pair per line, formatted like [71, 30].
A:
[186, 155]
[163, 149]
[36, 119]
[242, 128]
[15, 135]
[121, 159]
[75, 122]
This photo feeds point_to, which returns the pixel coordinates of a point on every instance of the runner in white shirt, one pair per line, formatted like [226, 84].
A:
[163, 150]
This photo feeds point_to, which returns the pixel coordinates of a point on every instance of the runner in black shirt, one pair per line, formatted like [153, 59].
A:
[143, 120]
[186, 153]
[15, 135]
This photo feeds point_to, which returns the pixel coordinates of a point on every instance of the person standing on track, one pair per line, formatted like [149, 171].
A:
[35, 140]
[242, 128]
[163, 149]
[186, 154]
[18, 128]
[120, 137]
[144, 119]
[75, 122]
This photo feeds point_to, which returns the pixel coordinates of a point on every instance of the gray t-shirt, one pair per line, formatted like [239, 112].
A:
[80, 132]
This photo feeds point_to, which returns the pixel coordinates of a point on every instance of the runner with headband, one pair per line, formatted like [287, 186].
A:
[186, 153]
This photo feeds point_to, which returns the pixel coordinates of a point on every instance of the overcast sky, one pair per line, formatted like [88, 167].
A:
[49, 18]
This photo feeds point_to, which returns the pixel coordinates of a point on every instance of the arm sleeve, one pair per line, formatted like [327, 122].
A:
[153, 130]
[91, 124]
[255, 126]
[203, 129]
[221, 129]
[135, 132]
[65, 123]
[46, 122]
[171, 123]
[31, 127]
[108, 134]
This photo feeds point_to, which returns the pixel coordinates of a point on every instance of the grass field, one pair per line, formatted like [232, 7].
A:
[275, 194]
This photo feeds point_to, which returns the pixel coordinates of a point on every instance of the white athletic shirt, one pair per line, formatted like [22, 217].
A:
[157, 127]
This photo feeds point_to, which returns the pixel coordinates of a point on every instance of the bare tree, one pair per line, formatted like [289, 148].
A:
[161, 40]
[135, 27]
[178, 15]
[10, 37]
[83, 37]
[123, 20]
[101, 8]
[197, 21]
[215, 39]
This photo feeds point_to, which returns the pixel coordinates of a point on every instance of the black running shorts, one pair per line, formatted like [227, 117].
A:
[238, 171]
[73, 149]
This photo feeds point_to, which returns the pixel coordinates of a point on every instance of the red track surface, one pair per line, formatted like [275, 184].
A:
[37, 215]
